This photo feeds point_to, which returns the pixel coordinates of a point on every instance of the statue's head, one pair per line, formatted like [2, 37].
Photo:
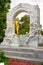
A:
[17, 19]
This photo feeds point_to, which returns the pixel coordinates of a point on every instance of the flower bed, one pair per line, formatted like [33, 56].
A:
[20, 62]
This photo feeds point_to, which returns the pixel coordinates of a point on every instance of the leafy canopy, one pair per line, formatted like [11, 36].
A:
[24, 25]
[4, 7]
[41, 32]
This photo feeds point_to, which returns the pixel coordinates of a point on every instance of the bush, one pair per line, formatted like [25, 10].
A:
[41, 32]
[41, 44]
[3, 58]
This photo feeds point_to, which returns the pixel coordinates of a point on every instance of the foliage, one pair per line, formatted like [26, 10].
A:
[4, 7]
[25, 25]
[41, 63]
[3, 58]
[41, 32]
[41, 44]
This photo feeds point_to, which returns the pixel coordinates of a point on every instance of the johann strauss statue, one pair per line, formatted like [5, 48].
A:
[16, 24]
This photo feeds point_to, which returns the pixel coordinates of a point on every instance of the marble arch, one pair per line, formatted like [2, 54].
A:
[34, 12]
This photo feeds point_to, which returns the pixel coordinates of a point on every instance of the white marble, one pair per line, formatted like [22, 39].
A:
[30, 39]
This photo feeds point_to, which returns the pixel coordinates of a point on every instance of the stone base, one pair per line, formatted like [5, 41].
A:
[34, 54]
[23, 40]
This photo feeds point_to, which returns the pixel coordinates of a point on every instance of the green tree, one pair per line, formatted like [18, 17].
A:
[4, 8]
[41, 32]
[25, 24]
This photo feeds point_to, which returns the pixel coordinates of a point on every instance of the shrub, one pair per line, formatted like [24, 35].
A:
[3, 58]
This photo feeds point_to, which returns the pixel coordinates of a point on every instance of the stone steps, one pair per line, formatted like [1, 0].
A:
[23, 53]
[20, 54]
[27, 59]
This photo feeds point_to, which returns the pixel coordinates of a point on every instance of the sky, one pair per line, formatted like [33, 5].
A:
[33, 2]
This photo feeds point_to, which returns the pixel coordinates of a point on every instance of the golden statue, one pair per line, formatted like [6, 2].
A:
[16, 24]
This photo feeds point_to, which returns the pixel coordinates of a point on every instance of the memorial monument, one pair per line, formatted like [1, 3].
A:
[33, 38]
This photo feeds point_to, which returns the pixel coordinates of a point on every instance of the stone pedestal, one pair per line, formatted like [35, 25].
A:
[15, 41]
